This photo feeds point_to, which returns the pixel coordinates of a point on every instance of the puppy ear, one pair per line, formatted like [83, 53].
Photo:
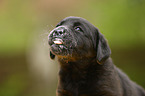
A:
[52, 56]
[103, 50]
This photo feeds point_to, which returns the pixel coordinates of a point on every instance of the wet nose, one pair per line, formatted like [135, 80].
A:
[59, 32]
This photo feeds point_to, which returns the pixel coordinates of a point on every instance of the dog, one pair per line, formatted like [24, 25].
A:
[86, 68]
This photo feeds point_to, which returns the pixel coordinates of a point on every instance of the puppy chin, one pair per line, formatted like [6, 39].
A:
[57, 49]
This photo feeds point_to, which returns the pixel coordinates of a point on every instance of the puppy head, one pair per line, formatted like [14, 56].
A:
[75, 38]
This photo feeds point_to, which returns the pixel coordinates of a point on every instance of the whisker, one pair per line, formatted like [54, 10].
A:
[52, 26]
[44, 36]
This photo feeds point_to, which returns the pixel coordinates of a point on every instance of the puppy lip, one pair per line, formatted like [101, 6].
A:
[58, 49]
[58, 41]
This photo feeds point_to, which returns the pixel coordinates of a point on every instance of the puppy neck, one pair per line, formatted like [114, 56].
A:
[79, 63]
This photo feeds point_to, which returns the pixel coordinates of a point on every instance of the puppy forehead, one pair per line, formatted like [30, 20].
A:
[73, 20]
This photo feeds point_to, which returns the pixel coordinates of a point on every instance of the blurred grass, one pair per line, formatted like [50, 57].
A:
[121, 21]
[13, 86]
[15, 26]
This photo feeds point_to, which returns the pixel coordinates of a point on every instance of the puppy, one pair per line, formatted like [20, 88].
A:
[86, 68]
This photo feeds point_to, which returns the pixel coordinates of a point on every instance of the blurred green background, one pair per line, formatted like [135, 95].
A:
[25, 66]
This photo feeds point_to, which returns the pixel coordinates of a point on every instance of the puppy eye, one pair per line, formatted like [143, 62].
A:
[78, 28]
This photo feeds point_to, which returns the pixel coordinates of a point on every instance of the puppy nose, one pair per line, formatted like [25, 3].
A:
[59, 32]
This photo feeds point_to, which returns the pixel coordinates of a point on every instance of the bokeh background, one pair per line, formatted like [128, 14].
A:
[25, 66]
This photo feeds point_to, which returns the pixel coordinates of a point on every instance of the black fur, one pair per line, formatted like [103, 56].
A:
[86, 68]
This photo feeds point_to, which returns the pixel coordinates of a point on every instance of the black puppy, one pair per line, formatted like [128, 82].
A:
[86, 68]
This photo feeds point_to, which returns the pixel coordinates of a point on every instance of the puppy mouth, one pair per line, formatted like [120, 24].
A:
[58, 46]
[58, 41]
